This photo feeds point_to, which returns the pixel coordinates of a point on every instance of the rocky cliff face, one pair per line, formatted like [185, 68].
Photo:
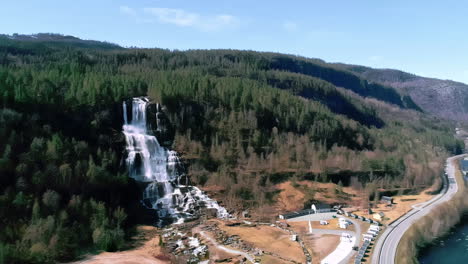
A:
[166, 187]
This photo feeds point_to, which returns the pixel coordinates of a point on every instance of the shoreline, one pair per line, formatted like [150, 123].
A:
[425, 250]
[435, 225]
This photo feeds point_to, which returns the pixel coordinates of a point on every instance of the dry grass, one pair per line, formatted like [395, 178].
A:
[303, 227]
[402, 205]
[147, 252]
[269, 239]
[321, 245]
[293, 196]
[290, 198]
[273, 260]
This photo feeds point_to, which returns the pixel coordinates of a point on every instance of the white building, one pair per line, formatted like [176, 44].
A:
[343, 223]
[321, 208]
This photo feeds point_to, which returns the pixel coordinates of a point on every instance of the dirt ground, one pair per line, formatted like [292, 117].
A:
[146, 251]
[215, 252]
[272, 260]
[290, 198]
[270, 239]
[321, 245]
[402, 204]
[293, 196]
[304, 226]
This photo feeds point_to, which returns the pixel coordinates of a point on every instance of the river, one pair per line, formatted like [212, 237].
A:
[450, 249]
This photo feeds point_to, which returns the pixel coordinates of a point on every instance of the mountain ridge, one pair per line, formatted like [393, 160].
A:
[55, 39]
[444, 98]
[242, 121]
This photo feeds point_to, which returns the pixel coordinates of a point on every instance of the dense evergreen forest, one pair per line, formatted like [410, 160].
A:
[242, 121]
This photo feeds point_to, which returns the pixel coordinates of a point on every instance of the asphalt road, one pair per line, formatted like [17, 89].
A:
[386, 245]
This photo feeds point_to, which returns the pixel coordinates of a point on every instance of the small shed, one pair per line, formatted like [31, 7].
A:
[387, 200]
[378, 216]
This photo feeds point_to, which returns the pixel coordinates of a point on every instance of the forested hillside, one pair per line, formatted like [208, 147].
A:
[443, 98]
[241, 120]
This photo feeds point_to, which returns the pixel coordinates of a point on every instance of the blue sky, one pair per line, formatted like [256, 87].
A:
[428, 37]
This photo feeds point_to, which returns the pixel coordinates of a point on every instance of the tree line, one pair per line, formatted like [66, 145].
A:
[243, 121]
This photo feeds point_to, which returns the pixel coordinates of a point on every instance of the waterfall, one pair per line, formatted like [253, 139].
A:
[159, 169]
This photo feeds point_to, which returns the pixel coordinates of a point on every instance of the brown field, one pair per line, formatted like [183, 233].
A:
[402, 204]
[273, 260]
[290, 198]
[146, 251]
[303, 227]
[218, 254]
[321, 245]
[293, 196]
[269, 239]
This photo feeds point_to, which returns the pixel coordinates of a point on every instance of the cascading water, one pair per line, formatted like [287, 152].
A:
[150, 163]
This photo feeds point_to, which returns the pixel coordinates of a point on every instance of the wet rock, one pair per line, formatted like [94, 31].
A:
[223, 260]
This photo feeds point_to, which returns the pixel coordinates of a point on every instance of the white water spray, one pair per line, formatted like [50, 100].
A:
[149, 162]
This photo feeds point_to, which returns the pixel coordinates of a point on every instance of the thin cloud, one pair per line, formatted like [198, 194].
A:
[290, 26]
[177, 17]
[375, 58]
[127, 10]
[182, 18]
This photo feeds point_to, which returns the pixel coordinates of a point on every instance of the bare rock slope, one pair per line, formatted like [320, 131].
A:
[443, 98]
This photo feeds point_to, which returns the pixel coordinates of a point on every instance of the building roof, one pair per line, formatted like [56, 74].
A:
[322, 206]
[297, 214]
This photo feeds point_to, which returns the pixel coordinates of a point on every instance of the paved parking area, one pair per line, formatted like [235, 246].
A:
[345, 252]
[313, 217]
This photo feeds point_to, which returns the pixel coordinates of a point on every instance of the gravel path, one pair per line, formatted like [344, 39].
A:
[225, 249]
